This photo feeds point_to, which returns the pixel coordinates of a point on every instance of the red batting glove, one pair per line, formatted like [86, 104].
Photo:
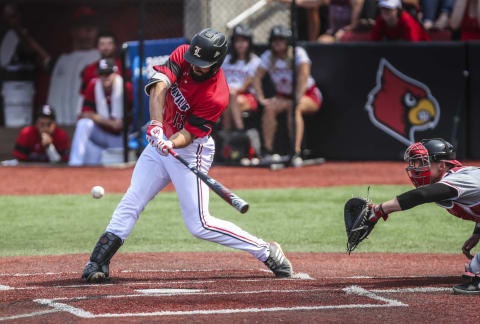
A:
[154, 132]
[377, 213]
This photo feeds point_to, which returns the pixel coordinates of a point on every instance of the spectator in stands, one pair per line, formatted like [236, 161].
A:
[393, 24]
[344, 16]
[239, 68]
[278, 62]
[466, 16]
[413, 8]
[100, 123]
[313, 16]
[433, 8]
[107, 47]
[44, 141]
[65, 84]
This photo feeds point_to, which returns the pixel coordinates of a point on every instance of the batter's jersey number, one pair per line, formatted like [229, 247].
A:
[179, 122]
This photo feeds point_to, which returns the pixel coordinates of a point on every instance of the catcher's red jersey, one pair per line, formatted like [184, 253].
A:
[195, 106]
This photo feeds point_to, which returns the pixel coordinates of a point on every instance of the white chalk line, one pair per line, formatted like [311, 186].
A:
[3, 287]
[86, 285]
[173, 293]
[48, 311]
[412, 290]
[58, 306]
[357, 290]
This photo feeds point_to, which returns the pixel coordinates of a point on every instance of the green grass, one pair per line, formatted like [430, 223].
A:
[304, 220]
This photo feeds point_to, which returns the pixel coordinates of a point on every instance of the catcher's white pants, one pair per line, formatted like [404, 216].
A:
[89, 141]
[154, 171]
[474, 265]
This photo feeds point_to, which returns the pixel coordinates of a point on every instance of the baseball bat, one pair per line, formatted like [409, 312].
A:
[231, 198]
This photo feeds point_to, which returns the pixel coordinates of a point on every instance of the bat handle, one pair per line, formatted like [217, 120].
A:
[173, 153]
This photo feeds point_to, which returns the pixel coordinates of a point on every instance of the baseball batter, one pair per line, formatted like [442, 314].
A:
[439, 178]
[187, 96]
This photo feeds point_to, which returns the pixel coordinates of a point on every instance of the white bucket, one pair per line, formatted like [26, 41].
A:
[18, 102]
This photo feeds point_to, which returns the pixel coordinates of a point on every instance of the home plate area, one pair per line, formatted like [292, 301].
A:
[211, 293]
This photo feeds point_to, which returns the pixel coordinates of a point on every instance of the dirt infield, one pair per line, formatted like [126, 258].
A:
[213, 288]
[26, 180]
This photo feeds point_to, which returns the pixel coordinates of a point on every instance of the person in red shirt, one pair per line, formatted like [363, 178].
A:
[393, 23]
[187, 96]
[107, 47]
[44, 141]
[100, 123]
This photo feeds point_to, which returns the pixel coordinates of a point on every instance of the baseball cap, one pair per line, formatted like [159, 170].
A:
[46, 111]
[390, 4]
[106, 66]
[83, 16]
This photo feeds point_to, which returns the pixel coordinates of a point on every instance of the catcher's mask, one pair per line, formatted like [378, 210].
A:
[420, 155]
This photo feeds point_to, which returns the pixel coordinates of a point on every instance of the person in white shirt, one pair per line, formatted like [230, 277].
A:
[239, 68]
[278, 61]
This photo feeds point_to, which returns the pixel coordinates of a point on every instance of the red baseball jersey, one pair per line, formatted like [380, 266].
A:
[407, 29]
[195, 106]
[90, 72]
[29, 145]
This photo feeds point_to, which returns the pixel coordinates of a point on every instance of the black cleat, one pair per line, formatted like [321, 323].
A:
[278, 263]
[93, 273]
[472, 287]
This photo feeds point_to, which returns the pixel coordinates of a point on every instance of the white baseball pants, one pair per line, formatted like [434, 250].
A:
[154, 171]
[89, 141]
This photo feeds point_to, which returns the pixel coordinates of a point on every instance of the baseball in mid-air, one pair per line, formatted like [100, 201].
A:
[97, 192]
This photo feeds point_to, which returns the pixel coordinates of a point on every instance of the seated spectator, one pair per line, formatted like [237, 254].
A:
[413, 8]
[466, 16]
[395, 24]
[239, 68]
[344, 16]
[107, 47]
[44, 141]
[433, 8]
[278, 62]
[100, 123]
[312, 14]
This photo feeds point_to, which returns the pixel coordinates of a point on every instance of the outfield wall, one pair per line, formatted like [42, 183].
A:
[380, 97]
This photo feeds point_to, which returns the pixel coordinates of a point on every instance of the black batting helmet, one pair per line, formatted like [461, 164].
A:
[207, 49]
[280, 31]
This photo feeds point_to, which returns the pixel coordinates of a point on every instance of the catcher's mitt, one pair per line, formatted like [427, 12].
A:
[357, 223]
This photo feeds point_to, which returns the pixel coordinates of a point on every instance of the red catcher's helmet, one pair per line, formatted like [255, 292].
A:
[419, 156]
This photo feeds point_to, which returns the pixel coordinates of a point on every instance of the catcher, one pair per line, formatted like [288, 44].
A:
[440, 178]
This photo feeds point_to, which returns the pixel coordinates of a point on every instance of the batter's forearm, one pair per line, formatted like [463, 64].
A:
[181, 138]
[157, 100]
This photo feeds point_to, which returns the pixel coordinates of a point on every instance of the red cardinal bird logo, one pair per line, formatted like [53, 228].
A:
[400, 105]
